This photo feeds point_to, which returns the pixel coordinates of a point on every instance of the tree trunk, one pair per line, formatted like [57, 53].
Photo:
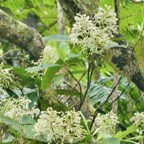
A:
[21, 35]
[117, 11]
[125, 61]
[61, 19]
[71, 7]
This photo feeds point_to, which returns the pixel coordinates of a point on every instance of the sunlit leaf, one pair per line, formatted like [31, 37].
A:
[139, 51]
[63, 50]
[122, 134]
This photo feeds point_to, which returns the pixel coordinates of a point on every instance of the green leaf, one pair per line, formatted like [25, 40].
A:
[102, 136]
[27, 120]
[14, 124]
[57, 37]
[87, 138]
[111, 140]
[72, 55]
[49, 76]
[139, 51]
[33, 96]
[63, 50]
[24, 129]
[57, 79]
[122, 134]
[19, 70]
[29, 133]
[85, 123]
[25, 77]
[65, 47]
[40, 67]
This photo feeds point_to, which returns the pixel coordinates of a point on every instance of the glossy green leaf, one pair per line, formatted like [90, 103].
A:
[49, 76]
[14, 124]
[19, 70]
[122, 134]
[63, 50]
[33, 96]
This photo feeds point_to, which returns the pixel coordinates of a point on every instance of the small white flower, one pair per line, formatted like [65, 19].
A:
[138, 119]
[94, 33]
[106, 123]
[6, 77]
[17, 108]
[50, 55]
[64, 127]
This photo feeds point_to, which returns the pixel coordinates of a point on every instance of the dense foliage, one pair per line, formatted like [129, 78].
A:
[72, 93]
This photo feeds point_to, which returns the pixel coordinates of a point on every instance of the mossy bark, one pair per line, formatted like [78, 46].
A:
[125, 61]
[71, 7]
[20, 34]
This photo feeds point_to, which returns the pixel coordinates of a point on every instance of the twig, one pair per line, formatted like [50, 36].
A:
[71, 87]
[80, 79]
[117, 11]
[118, 96]
[90, 73]
[80, 87]
[112, 91]
[100, 107]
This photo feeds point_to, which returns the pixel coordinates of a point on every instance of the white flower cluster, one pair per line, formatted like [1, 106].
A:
[17, 108]
[6, 77]
[138, 119]
[94, 33]
[106, 124]
[59, 127]
[49, 55]
[106, 20]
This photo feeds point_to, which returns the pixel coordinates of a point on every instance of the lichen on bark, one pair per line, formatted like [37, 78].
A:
[21, 34]
[71, 7]
[127, 64]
